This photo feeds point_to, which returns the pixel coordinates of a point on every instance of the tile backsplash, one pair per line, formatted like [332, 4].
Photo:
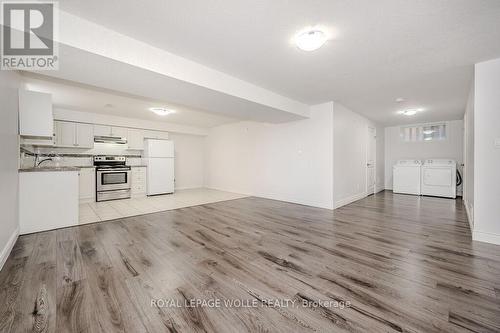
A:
[77, 157]
[27, 161]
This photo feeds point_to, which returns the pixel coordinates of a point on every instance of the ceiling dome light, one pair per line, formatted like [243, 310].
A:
[161, 111]
[410, 112]
[310, 40]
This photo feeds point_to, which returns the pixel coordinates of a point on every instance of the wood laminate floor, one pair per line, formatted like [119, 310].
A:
[387, 263]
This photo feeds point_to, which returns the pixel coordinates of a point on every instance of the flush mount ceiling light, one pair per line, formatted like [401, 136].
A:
[161, 111]
[311, 39]
[410, 112]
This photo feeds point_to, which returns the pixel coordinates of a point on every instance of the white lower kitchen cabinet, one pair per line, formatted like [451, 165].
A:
[138, 181]
[47, 200]
[87, 185]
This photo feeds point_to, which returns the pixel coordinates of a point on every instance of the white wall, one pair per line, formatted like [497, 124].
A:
[319, 162]
[189, 160]
[397, 149]
[9, 151]
[468, 188]
[290, 162]
[487, 155]
[350, 137]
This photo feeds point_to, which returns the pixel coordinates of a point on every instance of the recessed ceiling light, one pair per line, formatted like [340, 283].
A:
[161, 111]
[310, 40]
[410, 112]
[400, 100]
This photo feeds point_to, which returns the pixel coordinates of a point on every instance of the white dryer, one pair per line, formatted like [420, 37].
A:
[406, 177]
[439, 178]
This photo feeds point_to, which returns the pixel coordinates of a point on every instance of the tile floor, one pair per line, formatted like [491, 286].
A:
[109, 210]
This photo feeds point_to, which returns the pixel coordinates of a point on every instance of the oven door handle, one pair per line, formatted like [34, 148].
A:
[113, 170]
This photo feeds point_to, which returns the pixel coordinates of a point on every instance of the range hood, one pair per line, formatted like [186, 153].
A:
[110, 139]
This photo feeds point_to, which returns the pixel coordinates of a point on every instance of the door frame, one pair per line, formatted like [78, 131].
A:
[369, 128]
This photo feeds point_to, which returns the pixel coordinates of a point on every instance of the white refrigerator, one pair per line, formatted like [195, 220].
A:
[159, 157]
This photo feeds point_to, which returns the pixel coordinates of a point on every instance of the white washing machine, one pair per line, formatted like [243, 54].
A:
[439, 178]
[406, 177]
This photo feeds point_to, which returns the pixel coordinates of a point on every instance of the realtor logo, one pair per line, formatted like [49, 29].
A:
[28, 33]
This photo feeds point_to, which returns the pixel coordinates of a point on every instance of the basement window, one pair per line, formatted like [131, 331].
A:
[425, 132]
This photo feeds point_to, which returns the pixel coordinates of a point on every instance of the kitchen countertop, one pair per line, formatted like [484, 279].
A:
[67, 168]
[49, 169]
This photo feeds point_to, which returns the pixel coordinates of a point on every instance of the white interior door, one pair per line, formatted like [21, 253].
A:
[370, 161]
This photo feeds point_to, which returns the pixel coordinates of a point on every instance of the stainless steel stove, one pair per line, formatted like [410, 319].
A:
[112, 178]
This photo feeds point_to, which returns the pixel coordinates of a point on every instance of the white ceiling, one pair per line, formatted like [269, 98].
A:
[79, 66]
[79, 97]
[421, 50]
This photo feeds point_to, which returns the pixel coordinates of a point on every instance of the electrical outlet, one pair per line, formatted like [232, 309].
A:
[497, 143]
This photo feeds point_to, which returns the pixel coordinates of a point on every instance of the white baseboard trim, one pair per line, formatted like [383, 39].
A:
[486, 237]
[294, 201]
[346, 201]
[277, 198]
[8, 247]
[188, 188]
[230, 191]
[470, 217]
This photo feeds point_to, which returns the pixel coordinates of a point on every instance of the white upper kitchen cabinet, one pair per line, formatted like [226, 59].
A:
[84, 135]
[65, 133]
[112, 131]
[156, 135]
[77, 135]
[120, 132]
[35, 114]
[135, 139]
[162, 135]
[102, 130]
